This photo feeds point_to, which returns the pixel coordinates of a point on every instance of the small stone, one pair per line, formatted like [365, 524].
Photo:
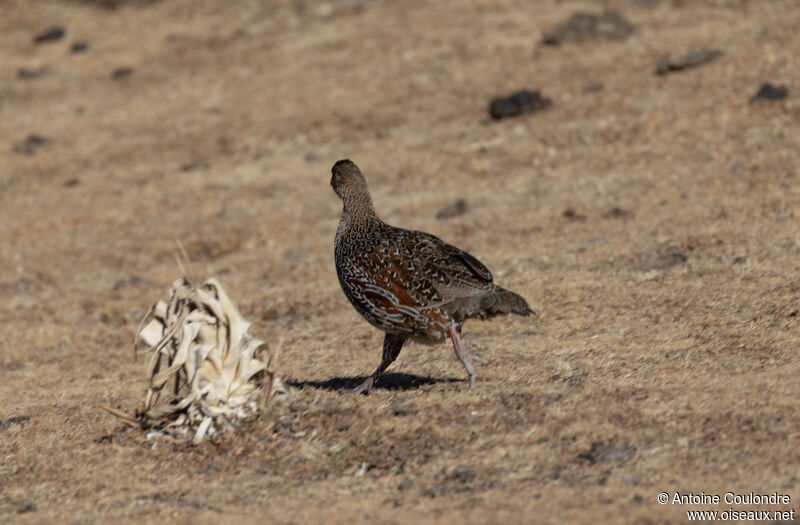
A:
[518, 103]
[770, 92]
[502, 107]
[459, 207]
[121, 73]
[571, 215]
[193, 165]
[69, 183]
[27, 73]
[602, 453]
[617, 213]
[593, 87]
[51, 34]
[694, 58]
[582, 27]
[80, 47]
[661, 262]
[30, 145]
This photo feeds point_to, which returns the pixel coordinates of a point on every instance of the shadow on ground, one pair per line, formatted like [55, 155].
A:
[386, 382]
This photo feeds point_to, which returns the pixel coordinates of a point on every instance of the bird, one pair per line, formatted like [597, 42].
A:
[409, 284]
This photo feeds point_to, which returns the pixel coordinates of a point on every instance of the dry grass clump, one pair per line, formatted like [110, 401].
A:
[200, 345]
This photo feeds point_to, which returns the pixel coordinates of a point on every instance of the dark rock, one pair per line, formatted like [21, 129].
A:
[520, 102]
[593, 87]
[770, 92]
[121, 73]
[51, 34]
[28, 73]
[459, 207]
[661, 262]
[740, 259]
[617, 213]
[30, 144]
[71, 182]
[583, 27]
[193, 165]
[26, 507]
[695, 58]
[80, 47]
[572, 215]
[645, 4]
[502, 107]
[114, 4]
[461, 476]
[602, 453]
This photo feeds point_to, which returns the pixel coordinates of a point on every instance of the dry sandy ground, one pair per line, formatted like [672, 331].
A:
[222, 137]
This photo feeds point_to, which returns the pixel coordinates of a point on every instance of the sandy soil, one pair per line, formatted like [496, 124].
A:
[652, 222]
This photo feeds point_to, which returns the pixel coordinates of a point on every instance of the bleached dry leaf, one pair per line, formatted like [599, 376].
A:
[199, 343]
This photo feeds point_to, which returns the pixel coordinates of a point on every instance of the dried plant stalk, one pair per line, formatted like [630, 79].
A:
[199, 343]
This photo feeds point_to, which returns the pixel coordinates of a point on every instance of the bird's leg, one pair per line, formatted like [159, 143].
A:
[475, 357]
[463, 356]
[392, 344]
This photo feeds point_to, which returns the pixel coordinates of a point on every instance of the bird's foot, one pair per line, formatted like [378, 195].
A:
[471, 381]
[469, 346]
[363, 388]
[479, 359]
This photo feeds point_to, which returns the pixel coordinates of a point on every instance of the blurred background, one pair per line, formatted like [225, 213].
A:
[629, 166]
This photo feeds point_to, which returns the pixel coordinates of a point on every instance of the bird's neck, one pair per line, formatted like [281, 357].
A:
[359, 213]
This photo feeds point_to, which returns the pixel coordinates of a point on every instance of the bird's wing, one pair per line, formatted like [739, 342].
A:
[451, 272]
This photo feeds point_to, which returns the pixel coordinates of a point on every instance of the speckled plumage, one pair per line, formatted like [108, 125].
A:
[410, 284]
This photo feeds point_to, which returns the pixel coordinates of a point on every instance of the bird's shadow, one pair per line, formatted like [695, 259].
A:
[391, 381]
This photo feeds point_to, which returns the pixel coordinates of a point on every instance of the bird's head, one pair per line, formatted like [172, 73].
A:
[348, 182]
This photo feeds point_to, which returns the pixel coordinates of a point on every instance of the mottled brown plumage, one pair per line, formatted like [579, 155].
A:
[410, 284]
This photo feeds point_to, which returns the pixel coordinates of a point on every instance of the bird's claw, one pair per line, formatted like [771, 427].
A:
[479, 359]
[363, 388]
